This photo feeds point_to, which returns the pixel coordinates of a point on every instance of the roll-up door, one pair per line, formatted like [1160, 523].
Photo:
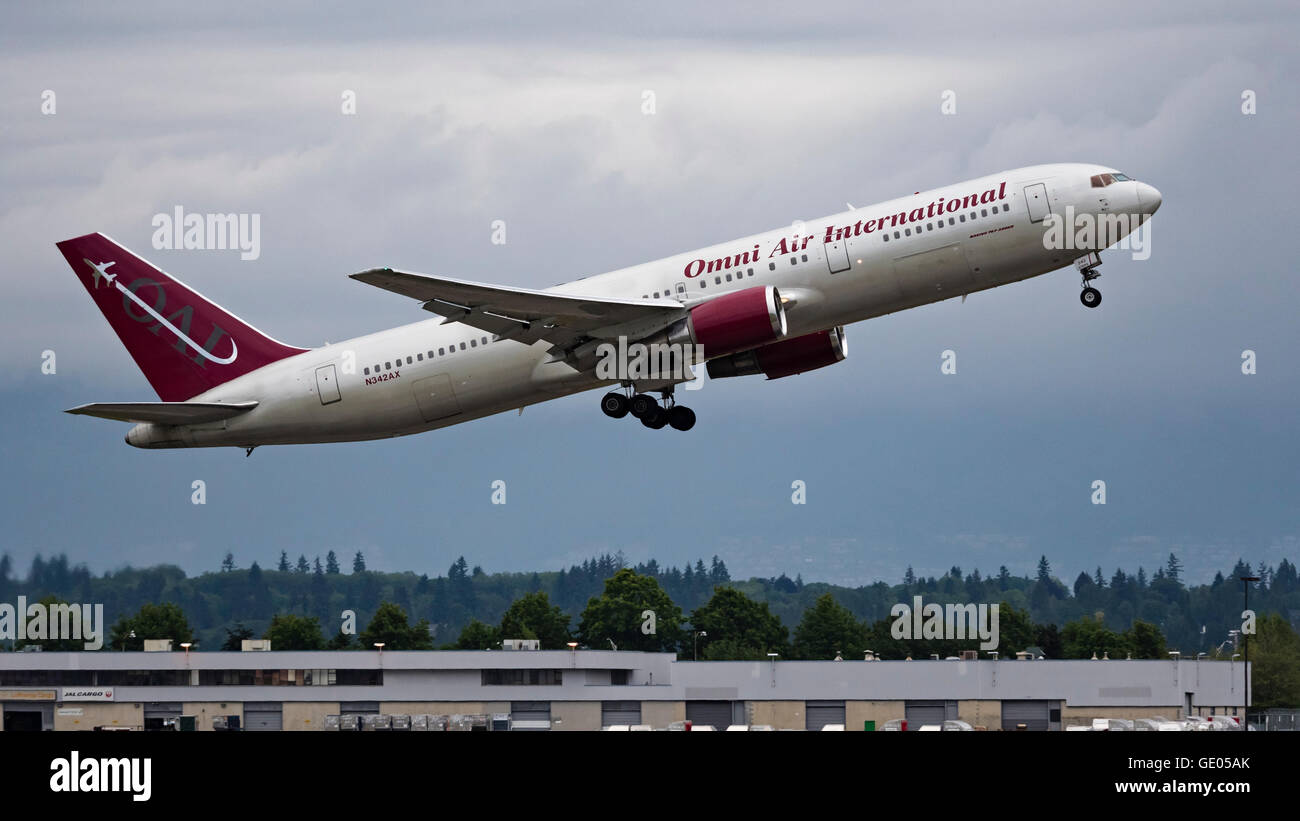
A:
[919, 713]
[1035, 715]
[530, 715]
[158, 713]
[818, 714]
[263, 715]
[716, 714]
[620, 712]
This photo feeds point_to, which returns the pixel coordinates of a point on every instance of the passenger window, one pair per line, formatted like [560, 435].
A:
[419, 357]
[984, 212]
[441, 352]
[750, 272]
[952, 221]
[473, 343]
[462, 346]
[728, 277]
[431, 354]
[703, 283]
[896, 235]
[656, 294]
[1006, 207]
[483, 339]
[408, 360]
[885, 237]
[805, 257]
[717, 280]
[907, 232]
[367, 371]
[962, 217]
[794, 261]
[771, 266]
[388, 366]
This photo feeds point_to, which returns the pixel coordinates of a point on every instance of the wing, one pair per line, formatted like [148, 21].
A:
[564, 320]
[165, 413]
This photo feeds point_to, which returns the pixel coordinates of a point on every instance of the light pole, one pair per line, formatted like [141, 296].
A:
[699, 633]
[1245, 649]
[773, 656]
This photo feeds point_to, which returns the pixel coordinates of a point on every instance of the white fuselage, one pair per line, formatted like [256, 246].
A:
[986, 245]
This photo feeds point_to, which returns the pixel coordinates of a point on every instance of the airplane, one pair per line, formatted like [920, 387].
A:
[774, 303]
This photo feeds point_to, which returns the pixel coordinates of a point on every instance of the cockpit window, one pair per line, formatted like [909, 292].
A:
[1103, 180]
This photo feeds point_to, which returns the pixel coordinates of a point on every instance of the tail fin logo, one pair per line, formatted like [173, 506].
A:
[129, 293]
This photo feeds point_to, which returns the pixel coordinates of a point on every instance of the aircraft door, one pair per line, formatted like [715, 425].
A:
[436, 398]
[327, 385]
[1037, 202]
[837, 255]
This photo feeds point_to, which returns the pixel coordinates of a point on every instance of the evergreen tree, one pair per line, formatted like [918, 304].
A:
[1174, 568]
[1044, 569]
[302, 567]
[358, 563]
[331, 563]
[283, 566]
[228, 563]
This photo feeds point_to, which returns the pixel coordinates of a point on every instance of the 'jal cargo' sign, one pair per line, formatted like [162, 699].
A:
[87, 694]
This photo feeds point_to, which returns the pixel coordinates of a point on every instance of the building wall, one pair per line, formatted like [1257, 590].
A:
[781, 715]
[857, 712]
[307, 715]
[987, 714]
[576, 715]
[447, 708]
[100, 714]
[659, 714]
[1073, 715]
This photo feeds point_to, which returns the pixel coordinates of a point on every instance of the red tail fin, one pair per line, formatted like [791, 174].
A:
[184, 344]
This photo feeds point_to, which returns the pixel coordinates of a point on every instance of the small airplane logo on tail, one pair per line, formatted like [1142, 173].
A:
[101, 271]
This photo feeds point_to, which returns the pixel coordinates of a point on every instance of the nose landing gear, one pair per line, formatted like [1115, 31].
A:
[1087, 265]
[653, 414]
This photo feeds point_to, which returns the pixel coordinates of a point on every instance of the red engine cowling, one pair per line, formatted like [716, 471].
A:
[738, 321]
[785, 358]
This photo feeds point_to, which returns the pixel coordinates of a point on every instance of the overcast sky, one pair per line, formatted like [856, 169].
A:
[763, 114]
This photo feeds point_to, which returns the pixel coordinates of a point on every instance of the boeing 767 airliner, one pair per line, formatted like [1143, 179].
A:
[774, 303]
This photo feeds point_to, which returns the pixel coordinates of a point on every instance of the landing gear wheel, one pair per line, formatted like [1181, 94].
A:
[1090, 297]
[642, 404]
[615, 405]
[656, 418]
[681, 417]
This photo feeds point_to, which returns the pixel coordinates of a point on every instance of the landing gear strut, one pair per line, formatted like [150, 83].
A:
[1087, 265]
[652, 413]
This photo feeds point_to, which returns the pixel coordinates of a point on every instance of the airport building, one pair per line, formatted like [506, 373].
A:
[588, 690]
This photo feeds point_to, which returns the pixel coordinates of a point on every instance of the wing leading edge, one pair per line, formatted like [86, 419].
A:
[526, 315]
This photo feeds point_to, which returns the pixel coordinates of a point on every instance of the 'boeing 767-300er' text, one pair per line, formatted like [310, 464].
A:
[773, 303]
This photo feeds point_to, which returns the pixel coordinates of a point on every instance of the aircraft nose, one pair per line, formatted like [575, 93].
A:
[1148, 198]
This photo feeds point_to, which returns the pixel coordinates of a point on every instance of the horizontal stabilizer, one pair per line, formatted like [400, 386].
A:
[165, 413]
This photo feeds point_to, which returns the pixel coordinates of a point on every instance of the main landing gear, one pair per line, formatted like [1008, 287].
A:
[1087, 265]
[652, 413]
